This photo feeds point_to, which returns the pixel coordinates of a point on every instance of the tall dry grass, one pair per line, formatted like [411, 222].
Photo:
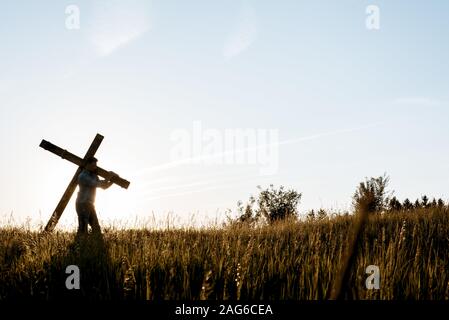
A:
[290, 260]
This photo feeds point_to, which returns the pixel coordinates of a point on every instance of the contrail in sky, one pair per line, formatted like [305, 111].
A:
[177, 163]
[197, 184]
[229, 184]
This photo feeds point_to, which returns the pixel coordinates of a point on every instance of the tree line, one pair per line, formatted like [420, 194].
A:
[275, 204]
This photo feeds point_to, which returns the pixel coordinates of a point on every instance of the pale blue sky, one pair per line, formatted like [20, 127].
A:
[137, 71]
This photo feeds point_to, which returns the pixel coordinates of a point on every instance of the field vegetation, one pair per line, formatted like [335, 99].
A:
[256, 256]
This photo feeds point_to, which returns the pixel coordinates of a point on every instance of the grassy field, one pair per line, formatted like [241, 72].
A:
[295, 260]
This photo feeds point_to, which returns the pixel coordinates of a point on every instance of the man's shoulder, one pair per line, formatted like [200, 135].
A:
[86, 174]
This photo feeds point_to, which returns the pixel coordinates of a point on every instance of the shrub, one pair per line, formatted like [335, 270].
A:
[278, 204]
[272, 204]
[372, 194]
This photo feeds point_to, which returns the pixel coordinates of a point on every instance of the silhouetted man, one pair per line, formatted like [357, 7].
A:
[88, 182]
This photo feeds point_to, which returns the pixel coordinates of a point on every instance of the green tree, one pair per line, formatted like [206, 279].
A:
[417, 204]
[407, 205]
[434, 203]
[425, 201]
[372, 194]
[394, 204]
[277, 204]
[271, 204]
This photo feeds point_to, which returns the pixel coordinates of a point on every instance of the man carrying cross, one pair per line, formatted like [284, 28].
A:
[86, 177]
[88, 182]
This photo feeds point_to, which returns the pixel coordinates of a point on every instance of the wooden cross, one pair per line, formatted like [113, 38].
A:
[80, 162]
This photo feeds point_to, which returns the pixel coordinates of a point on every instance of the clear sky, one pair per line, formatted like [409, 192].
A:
[330, 100]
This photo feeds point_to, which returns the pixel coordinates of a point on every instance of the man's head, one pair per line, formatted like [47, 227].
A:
[91, 164]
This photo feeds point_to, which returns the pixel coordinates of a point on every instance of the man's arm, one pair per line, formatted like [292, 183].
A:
[104, 184]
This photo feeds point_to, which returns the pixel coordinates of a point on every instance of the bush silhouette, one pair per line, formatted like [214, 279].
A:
[372, 194]
[272, 204]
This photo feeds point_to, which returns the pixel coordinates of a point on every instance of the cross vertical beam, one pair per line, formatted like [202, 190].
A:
[72, 185]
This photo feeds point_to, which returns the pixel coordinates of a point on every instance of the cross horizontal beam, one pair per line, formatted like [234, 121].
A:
[80, 162]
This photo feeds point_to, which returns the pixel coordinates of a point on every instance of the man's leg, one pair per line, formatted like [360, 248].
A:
[98, 248]
[93, 220]
[83, 219]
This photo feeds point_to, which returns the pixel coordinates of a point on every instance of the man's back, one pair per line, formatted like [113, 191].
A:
[88, 183]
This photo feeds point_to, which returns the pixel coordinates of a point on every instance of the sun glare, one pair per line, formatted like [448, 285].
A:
[116, 204]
